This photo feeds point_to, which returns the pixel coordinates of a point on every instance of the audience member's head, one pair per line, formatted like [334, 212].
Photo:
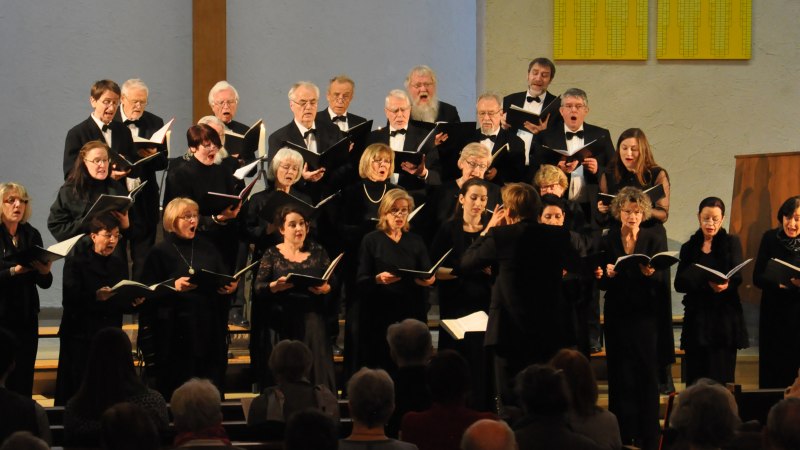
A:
[487, 434]
[8, 353]
[543, 391]
[196, 406]
[311, 429]
[782, 431]
[410, 343]
[127, 426]
[580, 380]
[24, 440]
[448, 378]
[705, 416]
[290, 361]
[371, 394]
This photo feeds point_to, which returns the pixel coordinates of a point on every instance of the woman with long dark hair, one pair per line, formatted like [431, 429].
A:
[713, 321]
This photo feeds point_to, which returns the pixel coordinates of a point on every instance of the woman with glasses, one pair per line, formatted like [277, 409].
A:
[302, 308]
[473, 162]
[713, 321]
[19, 298]
[89, 273]
[204, 173]
[184, 334]
[355, 215]
[631, 319]
[386, 295]
[86, 182]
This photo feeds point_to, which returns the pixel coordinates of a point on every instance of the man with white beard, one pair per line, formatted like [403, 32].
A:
[425, 105]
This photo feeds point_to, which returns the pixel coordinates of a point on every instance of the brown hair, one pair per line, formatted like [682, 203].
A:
[521, 201]
[644, 163]
[580, 380]
[101, 86]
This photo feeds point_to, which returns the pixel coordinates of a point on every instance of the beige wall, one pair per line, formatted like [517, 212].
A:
[697, 114]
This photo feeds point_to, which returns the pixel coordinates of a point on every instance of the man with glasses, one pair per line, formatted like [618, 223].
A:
[509, 166]
[100, 126]
[425, 105]
[145, 212]
[223, 99]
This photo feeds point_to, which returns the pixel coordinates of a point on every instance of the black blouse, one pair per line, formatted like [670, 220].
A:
[19, 298]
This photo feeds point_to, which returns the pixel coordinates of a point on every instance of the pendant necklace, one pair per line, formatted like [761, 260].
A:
[191, 258]
[364, 185]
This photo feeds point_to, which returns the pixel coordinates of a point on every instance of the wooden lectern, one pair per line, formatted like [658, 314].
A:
[761, 184]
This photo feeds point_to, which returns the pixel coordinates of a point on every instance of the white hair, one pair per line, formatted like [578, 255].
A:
[221, 86]
[306, 84]
[397, 93]
[134, 83]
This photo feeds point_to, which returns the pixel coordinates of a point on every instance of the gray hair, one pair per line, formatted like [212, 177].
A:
[397, 93]
[423, 70]
[221, 86]
[575, 93]
[488, 434]
[410, 341]
[371, 394]
[704, 415]
[490, 96]
[306, 84]
[782, 430]
[285, 154]
[134, 83]
[196, 406]
[208, 120]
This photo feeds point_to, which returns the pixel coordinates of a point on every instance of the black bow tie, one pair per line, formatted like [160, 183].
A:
[491, 137]
[571, 135]
[104, 128]
[533, 99]
[339, 119]
[309, 132]
[131, 122]
[396, 132]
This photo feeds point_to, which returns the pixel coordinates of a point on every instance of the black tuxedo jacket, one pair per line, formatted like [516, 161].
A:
[237, 127]
[555, 138]
[510, 164]
[352, 119]
[145, 211]
[327, 134]
[447, 113]
[518, 98]
[122, 142]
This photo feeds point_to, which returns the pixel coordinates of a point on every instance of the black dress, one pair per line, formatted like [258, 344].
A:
[184, 335]
[713, 323]
[85, 271]
[779, 322]
[70, 207]
[382, 305]
[19, 305]
[631, 330]
[301, 312]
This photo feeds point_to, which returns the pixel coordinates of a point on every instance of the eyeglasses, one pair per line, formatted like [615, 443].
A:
[289, 168]
[549, 187]
[12, 200]
[711, 220]
[488, 113]
[573, 106]
[426, 85]
[137, 102]
[474, 165]
[632, 212]
[110, 236]
[403, 109]
[189, 217]
[399, 212]
[304, 103]
[209, 146]
[381, 162]
[222, 103]
[108, 103]
[97, 161]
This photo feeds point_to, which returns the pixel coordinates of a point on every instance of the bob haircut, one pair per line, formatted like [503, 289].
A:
[549, 174]
[371, 394]
[101, 86]
[644, 163]
[290, 361]
[631, 195]
[521, 201]
[372, 152]
[386, 204]
[16, 188]
[289, 155]
[788, 208]
[474, 150]
[174, 209]
[198, 135]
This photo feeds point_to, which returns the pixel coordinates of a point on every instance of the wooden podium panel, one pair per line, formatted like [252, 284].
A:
[761, 184]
